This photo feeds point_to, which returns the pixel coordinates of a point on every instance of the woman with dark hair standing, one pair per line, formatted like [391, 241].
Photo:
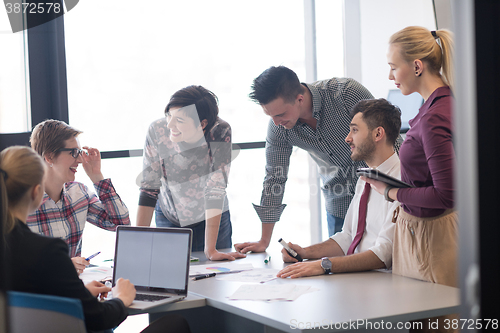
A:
[426, 233]
[187, 156]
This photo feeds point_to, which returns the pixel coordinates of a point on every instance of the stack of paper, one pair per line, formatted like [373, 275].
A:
[270, 292]
[96, 273]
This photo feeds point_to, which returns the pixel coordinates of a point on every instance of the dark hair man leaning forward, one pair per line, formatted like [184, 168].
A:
[365, 242]
[314, 117]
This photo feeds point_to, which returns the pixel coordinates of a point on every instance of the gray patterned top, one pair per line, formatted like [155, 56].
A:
[186, 178]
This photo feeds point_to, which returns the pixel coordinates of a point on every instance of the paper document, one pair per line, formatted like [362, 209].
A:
[96, 273]
[258, 275]
[219, 268]
[270, 292]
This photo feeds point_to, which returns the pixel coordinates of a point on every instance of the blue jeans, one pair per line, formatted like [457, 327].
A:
[223, 239]
[335, 224]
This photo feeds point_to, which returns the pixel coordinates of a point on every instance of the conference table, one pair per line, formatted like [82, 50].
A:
[365, 301]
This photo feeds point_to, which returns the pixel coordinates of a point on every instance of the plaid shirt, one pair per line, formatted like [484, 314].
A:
[332, 101]
[66, 218]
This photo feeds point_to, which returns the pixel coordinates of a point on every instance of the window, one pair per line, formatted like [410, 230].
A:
[123, 69]
[329, 38]
[14, 86]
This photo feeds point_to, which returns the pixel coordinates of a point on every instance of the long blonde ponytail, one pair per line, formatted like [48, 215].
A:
[435, 48]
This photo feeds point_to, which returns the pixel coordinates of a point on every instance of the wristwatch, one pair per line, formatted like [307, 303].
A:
[326, 264]
[386, 193]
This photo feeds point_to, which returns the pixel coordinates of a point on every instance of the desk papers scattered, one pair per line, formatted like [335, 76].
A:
[258, 275]
[96, 273]
[270, 292]
[219, 268]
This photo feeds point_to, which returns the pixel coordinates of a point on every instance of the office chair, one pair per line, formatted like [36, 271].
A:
[44, 313]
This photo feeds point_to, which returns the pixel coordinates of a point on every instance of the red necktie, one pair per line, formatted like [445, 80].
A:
[363, 202]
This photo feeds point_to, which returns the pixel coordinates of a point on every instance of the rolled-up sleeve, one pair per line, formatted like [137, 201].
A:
[384, 242]
[278, 151]
[149, 180]
[220, 162]
[108, 211]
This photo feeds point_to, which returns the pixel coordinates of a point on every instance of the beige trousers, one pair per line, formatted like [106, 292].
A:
[427, 249]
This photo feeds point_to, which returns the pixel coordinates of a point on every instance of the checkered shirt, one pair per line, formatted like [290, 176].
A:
[332, 101]
[66, 218]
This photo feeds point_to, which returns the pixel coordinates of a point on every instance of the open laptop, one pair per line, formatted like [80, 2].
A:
[156, 261]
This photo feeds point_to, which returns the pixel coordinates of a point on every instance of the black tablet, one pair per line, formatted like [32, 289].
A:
[378, 175]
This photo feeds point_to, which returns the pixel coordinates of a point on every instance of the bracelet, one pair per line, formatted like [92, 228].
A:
[386, 193]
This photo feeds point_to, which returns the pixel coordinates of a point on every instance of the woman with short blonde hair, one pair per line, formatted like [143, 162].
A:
[67, 205]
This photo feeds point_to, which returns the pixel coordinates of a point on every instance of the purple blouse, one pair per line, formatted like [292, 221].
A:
[427, 158]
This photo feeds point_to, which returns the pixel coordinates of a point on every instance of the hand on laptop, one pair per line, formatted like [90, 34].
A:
[216, 255]
[124, 290]
[97, 288]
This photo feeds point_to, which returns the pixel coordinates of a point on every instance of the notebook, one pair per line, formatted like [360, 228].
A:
[156, 261]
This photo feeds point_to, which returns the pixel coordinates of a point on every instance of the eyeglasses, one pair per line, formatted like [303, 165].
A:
[75, 152]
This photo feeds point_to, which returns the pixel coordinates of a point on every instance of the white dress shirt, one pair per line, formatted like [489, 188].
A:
[379, 231]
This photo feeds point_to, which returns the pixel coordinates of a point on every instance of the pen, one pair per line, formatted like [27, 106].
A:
[267, 259]
[203, 276]
[92, 256]
[289, 250]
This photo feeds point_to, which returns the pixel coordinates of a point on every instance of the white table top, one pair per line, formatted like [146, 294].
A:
[373, 296]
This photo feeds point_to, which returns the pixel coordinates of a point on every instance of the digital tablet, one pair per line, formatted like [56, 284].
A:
[378, 175]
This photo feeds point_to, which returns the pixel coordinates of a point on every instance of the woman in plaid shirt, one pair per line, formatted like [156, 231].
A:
[66, 204]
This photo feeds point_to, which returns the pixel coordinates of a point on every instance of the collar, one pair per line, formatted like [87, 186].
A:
[184, 146]
[436, 94]
[45, 198]
[387, 166]
[63, 194]
[316, 100]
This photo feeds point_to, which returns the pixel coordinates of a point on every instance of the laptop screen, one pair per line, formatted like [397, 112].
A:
[155, 259]
[409, 106]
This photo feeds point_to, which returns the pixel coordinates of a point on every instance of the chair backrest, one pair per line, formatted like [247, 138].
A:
[44, 313]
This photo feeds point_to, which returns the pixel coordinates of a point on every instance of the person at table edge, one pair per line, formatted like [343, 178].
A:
[374, 129]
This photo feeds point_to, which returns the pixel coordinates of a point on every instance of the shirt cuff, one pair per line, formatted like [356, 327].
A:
[147, 200]
[343, 240]
[214, 204]
[269, 214]
[104, 186]
[384, 253]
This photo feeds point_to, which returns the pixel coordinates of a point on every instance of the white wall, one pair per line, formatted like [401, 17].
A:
[379, 20]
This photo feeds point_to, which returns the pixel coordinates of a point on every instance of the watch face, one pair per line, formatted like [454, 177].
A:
[326, 264]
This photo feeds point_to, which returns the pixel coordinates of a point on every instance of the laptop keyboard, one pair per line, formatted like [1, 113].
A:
[149, 298]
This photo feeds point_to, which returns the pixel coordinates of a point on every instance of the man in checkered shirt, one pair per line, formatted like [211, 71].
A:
[314, 117]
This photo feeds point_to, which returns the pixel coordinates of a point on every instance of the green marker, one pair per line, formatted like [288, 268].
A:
[267, 259]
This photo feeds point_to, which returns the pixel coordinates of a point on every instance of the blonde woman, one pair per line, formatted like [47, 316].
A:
[426, 234]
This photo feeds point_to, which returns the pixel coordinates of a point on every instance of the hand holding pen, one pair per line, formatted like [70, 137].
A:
[80, 264]
[92, 256]
[291, 252]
